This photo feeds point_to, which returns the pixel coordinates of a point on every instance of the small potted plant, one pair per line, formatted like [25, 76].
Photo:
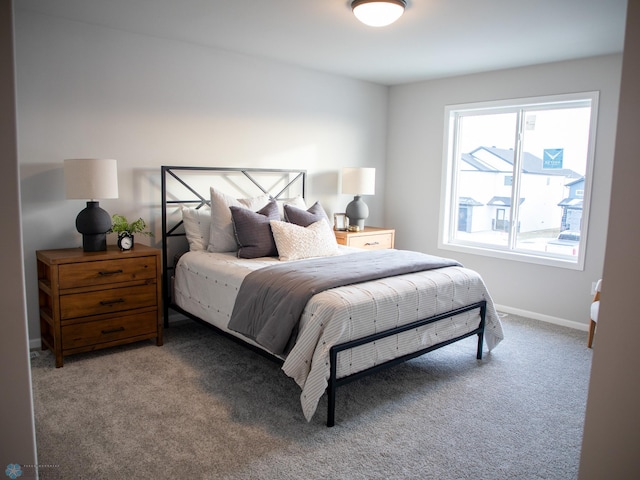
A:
[125, 230]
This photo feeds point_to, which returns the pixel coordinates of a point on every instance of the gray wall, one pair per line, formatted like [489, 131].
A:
[85, 90]
[414, 173]
[17, 434]
[612, 424]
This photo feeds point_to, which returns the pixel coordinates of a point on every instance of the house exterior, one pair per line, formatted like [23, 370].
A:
[572, 206]
[484, 192]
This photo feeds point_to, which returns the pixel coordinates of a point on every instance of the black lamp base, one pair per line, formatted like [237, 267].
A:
[94, 243]
[93, 223]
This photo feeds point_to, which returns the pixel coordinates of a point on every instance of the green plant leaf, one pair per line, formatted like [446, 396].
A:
[121, 225]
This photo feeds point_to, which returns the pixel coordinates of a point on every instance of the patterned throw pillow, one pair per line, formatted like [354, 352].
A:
[197, 225]
[295, 242]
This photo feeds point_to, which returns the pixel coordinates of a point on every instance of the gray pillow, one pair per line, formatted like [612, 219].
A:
[253, 231]
[304, 218]
[221, 236]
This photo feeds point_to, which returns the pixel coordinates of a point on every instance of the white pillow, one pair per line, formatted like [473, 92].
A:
[197, 223]
[295, 242]
[295, 201]
[221, 236]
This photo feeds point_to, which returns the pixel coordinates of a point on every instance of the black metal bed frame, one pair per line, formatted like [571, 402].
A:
[334, 381]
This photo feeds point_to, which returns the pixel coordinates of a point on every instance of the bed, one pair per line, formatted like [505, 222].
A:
[344, 332]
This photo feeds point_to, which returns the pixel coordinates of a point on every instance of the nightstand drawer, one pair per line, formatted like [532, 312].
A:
[372, 242]
[107, 301]
[371, 238]
[103, 331]
[74, 275]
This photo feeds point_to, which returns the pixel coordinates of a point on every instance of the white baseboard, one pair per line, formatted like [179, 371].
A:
[545, 318]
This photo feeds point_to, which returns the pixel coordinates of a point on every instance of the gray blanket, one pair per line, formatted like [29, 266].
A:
[271, 300]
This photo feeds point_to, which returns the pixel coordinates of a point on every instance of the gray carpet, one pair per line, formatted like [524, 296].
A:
[202, 407]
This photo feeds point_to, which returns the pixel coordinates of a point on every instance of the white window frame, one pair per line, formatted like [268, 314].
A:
[448, 217]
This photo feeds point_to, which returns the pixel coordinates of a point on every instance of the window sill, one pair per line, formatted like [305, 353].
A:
[566, 262]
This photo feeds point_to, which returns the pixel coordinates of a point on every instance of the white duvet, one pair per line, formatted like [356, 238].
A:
[206, 285]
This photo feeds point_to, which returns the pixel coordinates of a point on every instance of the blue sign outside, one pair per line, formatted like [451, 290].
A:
[552, 158]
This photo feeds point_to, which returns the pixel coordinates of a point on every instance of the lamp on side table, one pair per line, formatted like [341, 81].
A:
[92, 178]
[358, 181]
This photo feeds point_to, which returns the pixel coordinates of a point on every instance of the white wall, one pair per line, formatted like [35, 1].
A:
[85, 90]
[17, 431]
[612, 423]
[414, 172]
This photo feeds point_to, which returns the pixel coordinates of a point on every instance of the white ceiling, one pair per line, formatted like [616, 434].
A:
[433, 39]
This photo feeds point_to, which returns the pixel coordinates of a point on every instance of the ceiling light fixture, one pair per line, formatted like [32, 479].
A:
[378, 13]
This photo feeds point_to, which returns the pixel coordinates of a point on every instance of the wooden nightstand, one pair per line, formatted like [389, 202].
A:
[372, 238]
[93, 300]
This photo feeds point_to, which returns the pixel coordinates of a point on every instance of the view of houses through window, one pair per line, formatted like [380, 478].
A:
[517, 176]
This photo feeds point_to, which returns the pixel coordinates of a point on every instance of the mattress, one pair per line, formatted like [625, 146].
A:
[206, 285]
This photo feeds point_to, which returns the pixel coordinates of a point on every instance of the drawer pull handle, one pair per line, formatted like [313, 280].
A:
[112, 272]
[113, 330]
[370, 244]
[111, 302]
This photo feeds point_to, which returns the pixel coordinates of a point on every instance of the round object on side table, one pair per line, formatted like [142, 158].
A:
[125, 241]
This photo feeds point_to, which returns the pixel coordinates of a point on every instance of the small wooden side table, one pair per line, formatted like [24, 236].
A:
[94, 300]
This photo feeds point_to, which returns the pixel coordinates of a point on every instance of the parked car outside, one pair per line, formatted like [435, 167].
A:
[567, 243]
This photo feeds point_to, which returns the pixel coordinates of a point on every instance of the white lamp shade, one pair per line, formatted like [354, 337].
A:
[359, 180]
[91, 178]
[378, 13]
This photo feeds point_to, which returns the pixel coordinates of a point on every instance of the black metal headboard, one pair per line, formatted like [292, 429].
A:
[187, 185]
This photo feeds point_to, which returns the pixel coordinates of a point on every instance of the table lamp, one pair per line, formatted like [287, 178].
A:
[358, 181]
[92, 178]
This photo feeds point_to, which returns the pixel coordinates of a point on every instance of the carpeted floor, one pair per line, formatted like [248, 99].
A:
[202, 407]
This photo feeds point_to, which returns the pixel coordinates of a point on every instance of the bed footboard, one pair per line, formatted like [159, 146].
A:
[333, 353]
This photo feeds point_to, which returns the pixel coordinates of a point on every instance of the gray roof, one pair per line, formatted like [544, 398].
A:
[530, 163]
[470, 202]
[502, 201]
[570, 184]
[572, 203]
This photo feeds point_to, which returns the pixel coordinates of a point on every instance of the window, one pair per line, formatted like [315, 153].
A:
[518, 178]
